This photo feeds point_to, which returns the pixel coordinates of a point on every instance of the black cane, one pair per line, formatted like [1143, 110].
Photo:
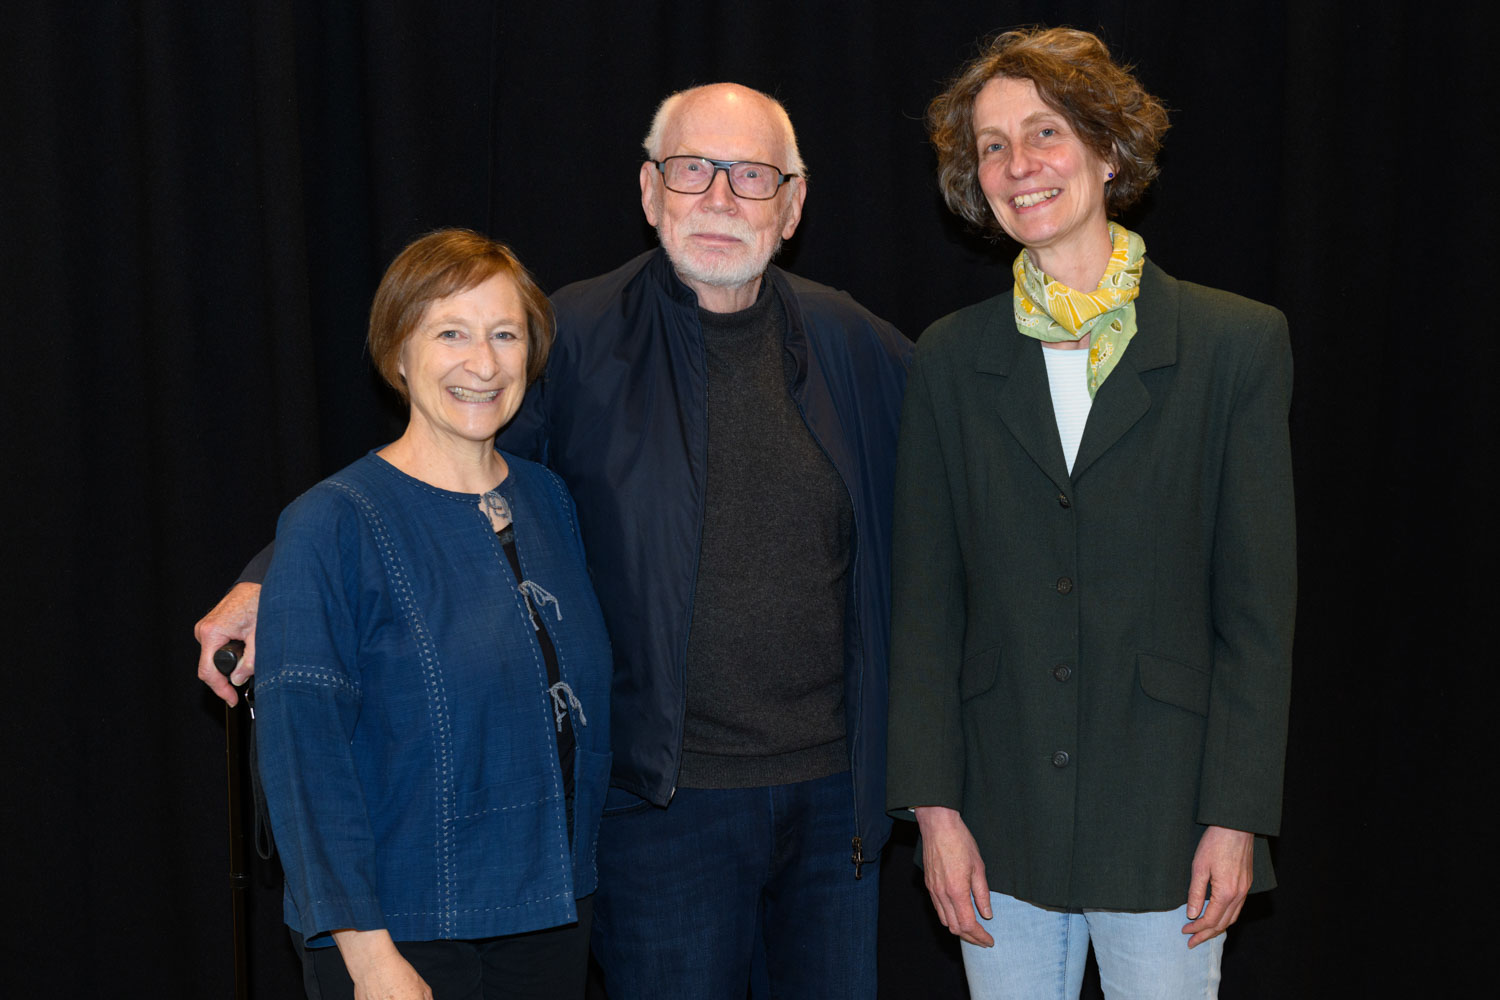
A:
[226, 659]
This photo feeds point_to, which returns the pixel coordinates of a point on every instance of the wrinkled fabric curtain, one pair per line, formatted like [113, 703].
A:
[197, 200]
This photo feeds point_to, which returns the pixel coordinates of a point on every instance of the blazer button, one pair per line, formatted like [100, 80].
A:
[1062, 671]
[1060, 759]
[1063, 501]
[1064, 585]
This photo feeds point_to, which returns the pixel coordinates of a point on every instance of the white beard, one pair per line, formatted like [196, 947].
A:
[718, 269]
[722, 270]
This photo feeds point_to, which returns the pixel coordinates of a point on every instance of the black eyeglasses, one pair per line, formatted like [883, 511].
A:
[747, 179]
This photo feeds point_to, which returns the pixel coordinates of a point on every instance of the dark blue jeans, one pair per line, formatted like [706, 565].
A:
[692, 897]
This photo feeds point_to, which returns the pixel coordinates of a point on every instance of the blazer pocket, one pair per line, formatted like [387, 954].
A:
[1173, 682]
[978, 673]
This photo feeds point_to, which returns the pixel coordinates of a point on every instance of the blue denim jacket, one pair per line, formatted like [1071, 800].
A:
[406, 728]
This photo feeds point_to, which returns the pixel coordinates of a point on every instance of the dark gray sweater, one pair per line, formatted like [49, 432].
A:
[766, 645]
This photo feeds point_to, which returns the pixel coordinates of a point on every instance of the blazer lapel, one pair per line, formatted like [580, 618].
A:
[1123, 399]
[1024, 400]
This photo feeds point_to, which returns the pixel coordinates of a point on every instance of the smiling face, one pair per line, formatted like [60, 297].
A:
[464, 364]
[720, 243]
[1044, 185]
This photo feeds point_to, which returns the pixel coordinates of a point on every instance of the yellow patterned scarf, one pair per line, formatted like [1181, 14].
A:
[1051, 311]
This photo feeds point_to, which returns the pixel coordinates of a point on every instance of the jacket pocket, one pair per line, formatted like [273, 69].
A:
[978, 673]
[502, 842]
[1174, 682]
[619, 802]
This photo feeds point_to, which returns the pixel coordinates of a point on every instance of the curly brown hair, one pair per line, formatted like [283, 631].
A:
[440, 264]
[1075, 76]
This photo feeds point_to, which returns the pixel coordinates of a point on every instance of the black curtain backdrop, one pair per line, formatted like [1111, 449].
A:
[199, 198]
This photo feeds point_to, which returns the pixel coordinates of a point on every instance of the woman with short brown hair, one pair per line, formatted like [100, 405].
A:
[1094, 563]
[433, 671]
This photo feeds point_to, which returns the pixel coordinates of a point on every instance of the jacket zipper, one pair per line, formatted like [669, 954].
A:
[857, 855]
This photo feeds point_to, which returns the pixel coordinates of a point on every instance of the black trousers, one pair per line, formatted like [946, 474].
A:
[551, 964]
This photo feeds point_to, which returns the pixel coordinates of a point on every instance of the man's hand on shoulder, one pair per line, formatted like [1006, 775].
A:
[232, 618]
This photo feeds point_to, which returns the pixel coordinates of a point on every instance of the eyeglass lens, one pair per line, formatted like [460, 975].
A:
[694, 175]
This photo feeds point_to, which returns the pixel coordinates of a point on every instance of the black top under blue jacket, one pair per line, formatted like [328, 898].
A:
[622, 416]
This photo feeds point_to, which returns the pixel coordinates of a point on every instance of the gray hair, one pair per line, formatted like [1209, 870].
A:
[667, 108]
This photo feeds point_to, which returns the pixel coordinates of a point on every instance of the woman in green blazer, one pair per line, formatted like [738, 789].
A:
[1094, 567]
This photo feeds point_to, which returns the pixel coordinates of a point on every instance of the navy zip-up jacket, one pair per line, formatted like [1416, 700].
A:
[622, 416]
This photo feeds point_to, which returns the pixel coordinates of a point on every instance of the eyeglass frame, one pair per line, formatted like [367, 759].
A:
[781, 176]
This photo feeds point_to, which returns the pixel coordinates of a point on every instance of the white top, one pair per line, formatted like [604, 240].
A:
[1067, 376]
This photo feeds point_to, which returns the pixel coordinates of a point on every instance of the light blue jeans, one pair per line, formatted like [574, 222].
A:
[1040, 953]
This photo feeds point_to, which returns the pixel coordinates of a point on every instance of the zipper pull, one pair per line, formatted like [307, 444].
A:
[858, 858]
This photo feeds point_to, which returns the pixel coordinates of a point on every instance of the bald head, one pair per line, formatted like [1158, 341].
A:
[719, 241]
[721, 108]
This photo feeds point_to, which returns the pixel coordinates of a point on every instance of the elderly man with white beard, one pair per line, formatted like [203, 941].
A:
[728, 432]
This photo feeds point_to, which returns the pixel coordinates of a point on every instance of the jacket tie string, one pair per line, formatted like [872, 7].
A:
[562, 698]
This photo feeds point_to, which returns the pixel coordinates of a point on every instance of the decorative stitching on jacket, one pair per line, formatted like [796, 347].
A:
[432, 680]
[309, 675]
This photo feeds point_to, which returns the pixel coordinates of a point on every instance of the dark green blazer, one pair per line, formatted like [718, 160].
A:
[1092, 667]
